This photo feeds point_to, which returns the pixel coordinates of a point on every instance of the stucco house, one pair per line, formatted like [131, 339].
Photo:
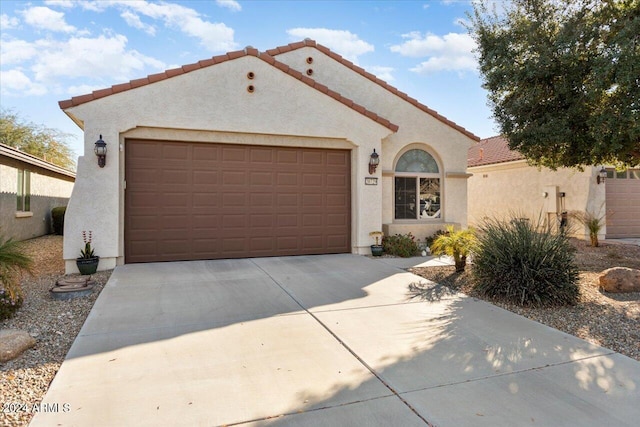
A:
[503, 182]
[29, 188]
[260, 154]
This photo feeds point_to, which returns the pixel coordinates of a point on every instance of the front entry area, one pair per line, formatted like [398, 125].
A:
[194, 201]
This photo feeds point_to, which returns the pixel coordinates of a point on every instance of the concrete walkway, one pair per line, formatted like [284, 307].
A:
[329, 340]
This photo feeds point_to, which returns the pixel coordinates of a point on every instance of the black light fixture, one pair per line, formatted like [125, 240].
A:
[101, 152]
[602, 175]
[374, 161]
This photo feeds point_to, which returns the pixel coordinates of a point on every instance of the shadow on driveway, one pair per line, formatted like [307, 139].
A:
[324, 340]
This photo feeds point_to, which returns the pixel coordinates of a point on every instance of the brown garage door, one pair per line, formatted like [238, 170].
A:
[188, 201]
[623, 204]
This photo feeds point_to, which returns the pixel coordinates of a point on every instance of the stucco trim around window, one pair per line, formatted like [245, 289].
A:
[23, 214]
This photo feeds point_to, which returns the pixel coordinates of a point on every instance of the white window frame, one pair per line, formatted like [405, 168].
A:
[417, 175]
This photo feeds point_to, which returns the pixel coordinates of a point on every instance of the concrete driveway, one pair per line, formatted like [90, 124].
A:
[328, 340]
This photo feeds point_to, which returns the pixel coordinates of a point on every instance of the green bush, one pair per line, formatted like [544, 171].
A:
[12, 262]
[525, 264]
[402, 245]
[57, 218]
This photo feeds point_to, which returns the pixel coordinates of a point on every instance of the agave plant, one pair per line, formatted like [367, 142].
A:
[456, 243]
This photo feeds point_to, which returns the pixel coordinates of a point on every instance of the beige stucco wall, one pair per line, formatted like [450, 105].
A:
[48, 190]
[514, 187]
[212, 104]
[417, 130]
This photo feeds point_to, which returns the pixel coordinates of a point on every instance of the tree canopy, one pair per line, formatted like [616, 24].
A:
[563, 78]
[48, 144]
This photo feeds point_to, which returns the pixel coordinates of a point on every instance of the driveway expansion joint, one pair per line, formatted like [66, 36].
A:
[346, 347]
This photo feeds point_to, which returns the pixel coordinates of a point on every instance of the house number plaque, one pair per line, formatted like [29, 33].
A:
[370, 181]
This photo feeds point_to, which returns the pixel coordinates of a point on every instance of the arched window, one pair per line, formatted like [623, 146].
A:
[417, 186]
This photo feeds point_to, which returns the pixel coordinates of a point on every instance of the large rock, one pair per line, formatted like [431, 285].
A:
[13, 343]
[620, 279]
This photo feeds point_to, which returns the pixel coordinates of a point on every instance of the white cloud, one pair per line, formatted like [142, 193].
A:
[343, 42]
[383, 73]
[82, 89]
[102, 57]
[60, 3]
[214, 36]
[229, 4]
[461, 22]
[15, 82]
[16, 51]
[451, 52]
[47, 19]
[95, 6]
[134, 21]
[8, 22]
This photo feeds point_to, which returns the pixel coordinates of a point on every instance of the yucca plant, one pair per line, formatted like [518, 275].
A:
[13, 261]
[592, 222]
[456, 243]
[525, 263]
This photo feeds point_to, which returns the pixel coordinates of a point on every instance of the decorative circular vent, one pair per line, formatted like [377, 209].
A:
[250, 75]
[251, 88]
[310, 60]
[309, 72]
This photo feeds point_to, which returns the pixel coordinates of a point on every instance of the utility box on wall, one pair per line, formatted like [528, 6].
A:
[551, 200]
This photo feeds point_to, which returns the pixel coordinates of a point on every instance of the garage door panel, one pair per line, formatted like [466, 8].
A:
[623, 206]
[206, 201]
[234, 199]
[286, 179]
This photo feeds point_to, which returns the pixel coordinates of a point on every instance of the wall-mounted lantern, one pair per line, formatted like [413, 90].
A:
[374, 161]
[101, 152]
[602, 175]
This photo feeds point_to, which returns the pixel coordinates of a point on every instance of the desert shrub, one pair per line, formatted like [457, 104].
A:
[57, 218]
[402, 245]
[13, 261]
[524, 263]
[592, 222]
[455, 243]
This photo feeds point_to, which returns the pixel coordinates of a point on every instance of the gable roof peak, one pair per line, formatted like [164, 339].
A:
[247, 51]
[312, 43]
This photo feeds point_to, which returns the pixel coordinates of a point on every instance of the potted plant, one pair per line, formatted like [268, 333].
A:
[88, 261]
[376, 250]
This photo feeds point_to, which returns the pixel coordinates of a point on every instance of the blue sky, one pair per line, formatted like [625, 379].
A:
[53, 50]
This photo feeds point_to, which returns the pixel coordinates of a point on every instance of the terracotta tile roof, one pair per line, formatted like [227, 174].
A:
[491, 150]
[311, 43]
[249, 51]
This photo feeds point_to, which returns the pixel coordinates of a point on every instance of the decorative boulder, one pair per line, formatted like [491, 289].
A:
[620, 279]
[13, 343]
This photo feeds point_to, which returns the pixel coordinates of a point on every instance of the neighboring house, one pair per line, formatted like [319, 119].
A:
[503, 183]
[29, 188]
[253, 154]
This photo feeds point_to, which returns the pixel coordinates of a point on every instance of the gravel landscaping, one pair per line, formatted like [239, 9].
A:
[610, 320]
[607, 319]
[54, 324]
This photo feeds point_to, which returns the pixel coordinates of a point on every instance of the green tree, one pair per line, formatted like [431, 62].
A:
[563, 78]
[48, 144]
